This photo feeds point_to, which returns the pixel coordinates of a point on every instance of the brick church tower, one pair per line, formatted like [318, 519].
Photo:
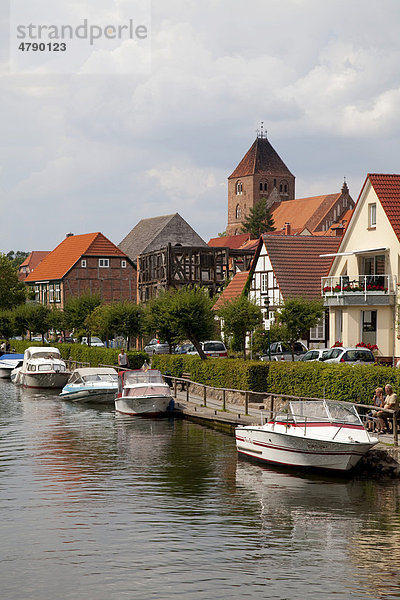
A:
[260, 174]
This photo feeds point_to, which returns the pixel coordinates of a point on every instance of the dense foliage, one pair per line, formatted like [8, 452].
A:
[313, 380]
[259, 220]
[240, 316]
[12, 291]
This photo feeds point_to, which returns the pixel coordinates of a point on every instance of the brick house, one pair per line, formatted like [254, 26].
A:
[88, 263]
[31, 262]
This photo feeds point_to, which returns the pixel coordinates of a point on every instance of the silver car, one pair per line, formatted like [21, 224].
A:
[315, 354]
[156, 347]
[350, 356]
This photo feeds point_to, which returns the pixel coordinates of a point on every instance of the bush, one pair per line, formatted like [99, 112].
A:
[314, 380]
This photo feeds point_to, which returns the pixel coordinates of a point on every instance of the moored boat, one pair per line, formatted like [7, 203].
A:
[143, 392]
[91, 384]
[321, 434]
[42, 367]
[9, 362]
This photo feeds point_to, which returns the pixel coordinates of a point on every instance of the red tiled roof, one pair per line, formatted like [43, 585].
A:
[297, 263]
[58, 262]
[304, 212]
[233, 290]
[229, 241]
[387, 188]
[34, 258]
[261, 158]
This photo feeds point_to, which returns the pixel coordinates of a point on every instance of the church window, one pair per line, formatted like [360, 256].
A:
[239, 188]
[263, 187]
[238, 211]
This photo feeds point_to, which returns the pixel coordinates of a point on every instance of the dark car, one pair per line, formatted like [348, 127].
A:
[282, 351]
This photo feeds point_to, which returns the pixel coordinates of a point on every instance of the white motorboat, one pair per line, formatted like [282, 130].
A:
[9, 362]
[92, 384]
[143, 392]
[42, 367]
[321, 434]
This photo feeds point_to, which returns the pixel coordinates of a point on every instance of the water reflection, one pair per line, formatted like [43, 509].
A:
[101, 506]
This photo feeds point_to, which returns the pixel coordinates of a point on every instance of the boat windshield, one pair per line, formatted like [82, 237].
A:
[321, 410]
[150, 376]
[149, 390]
[100, 377]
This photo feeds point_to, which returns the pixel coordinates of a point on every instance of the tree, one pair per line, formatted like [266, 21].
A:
[298, 315]
[17, 258]
[193, 314]
[241, 316]
[37, 318]
[6, 324]
[159, 318]
[12, 291]
[121, 318]
[259, 220]
[77, 309]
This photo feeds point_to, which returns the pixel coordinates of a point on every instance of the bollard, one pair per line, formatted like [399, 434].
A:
[175, 386]
[187, 392]
[223, 400]
[204, 395]
[395, 430]
[246, 403]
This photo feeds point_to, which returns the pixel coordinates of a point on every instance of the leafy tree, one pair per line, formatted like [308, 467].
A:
[159, 318]
[259, 220]
[241, 316]
[77, 310]
[37, 318]
[12, 291]
[192, 312]
[57, 320]
[17, 258]
[121, 318]
[6, 324]
[298, 315]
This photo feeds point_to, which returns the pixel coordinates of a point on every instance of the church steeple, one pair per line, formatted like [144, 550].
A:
[260, 174]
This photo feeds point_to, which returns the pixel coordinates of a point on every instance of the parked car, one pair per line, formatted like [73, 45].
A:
[212, 348]
[38, 338]
[184, 348]
[282, 351]
[315, 354]
[156, 347]
[351, 356]
[94, 341]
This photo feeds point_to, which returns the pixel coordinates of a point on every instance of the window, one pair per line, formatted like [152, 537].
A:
[104, 262]
[123, 264]
[264, 282]
[37, 293]
[83, 263]
[371, 215]
[263, 187]
[238, 211]
[318, 332]
[239, 188]
[51, 293]
[58, 293]
[368, 334]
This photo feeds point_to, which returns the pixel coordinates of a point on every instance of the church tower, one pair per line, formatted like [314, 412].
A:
[260, 174]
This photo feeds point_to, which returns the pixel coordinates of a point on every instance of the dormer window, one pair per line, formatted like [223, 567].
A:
[239, 188]
[104, 263]
[372, 215]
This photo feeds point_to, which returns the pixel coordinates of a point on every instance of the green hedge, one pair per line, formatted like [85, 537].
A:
[337, 382]
[88, 354]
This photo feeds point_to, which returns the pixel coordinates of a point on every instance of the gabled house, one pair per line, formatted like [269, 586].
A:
[31, 262]
[152, 234]
[312, 215]
[361, 288]
[287, 266]
[80, 264]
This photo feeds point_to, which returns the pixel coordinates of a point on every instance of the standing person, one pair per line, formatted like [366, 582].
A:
[123, 359]
[391, 403]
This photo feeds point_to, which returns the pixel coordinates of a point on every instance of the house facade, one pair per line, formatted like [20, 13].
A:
[362, 286]
[290, 266]
[81, 264]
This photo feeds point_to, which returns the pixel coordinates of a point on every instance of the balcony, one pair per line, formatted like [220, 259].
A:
[364, 290]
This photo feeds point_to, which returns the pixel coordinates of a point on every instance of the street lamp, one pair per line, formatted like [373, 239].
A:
[266, 304]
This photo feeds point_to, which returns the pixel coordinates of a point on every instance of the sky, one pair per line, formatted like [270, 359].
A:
[103, 146]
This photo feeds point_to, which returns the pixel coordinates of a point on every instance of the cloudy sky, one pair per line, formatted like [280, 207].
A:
[84, 152]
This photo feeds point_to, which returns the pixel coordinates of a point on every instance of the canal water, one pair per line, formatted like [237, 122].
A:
[98, 507]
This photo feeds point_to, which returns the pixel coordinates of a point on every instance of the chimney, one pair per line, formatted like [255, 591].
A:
[69, 235]
[288, 229]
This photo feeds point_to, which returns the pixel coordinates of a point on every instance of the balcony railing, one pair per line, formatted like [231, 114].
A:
[367, 285]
